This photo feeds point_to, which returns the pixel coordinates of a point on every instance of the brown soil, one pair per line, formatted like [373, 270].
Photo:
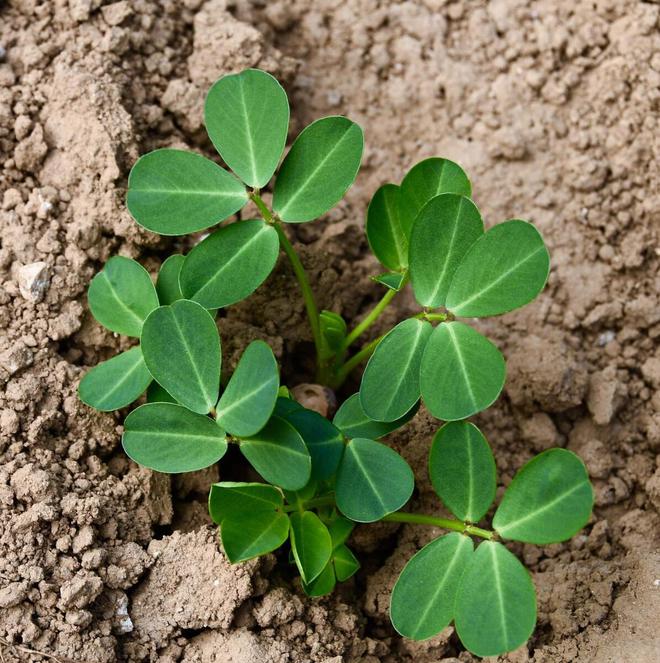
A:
[552, 106]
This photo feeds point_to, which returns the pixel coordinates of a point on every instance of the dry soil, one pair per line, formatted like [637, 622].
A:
[552, 106]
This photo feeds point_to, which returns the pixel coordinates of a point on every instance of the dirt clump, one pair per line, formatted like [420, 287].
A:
[553, 109]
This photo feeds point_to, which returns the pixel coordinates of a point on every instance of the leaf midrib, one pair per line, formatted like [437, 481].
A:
[125, 377]
[312, 175]
[498, 280]
[461, 361]
[192, 436]
[452, 239]
[122, 304]
[250, 140]
[224, 410]
[367, 476]
[212, 193]
[441, 584]
[208, 398]
[299, 549]
[268, 443]
[264, 533]
[402, 374]
[498, 591]
[470, 477]
[210, 281]
[398, 235]
[541, 509]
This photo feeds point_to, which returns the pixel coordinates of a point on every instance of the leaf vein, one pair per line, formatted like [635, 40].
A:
[499, 279]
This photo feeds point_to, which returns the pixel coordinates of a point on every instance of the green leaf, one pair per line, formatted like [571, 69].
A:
[181, 348]
[230, 264]
[333, 331]
[255, 535]
[279, 454]
[324, 441]
[173, 192]
[387, 237]
[247, 118]
[353, 422]
[392, 280]
[169, 438]
[423, 597]
[373, 480]
[167, 284]
[340, 529]
[122, 295]
[285, 404]
[156, 394]
[425, 180]
[495, 608]
[390, 383]
[549, 500]
[505, 269]
[345, 563]
[323, 584]
[318, 170]
[298, 498]
[443, 231]
[462, 372]
[235, 500]
[251, 519]
[115, 383]
[249, 399]
[310, 543]
[462, 470]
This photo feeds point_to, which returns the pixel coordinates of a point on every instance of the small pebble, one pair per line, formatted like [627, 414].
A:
[33, 281]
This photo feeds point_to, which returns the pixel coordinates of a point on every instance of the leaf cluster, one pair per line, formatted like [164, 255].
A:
[428, 230]
[321, 477]
[487, 592]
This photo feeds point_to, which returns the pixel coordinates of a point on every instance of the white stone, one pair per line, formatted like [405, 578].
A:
[33, 281]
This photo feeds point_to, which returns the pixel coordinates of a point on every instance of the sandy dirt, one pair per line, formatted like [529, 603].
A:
[553, 108]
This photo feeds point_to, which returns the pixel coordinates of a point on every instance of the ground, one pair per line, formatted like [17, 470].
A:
[553, 108]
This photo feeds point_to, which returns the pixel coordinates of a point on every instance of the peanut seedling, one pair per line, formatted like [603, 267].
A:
[320, 477]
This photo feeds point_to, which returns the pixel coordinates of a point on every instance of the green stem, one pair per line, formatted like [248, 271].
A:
[431, 317]
[263, 208]
[355, 361]
[369, 320]
[306, 288]
[445, 523]
[299, 271]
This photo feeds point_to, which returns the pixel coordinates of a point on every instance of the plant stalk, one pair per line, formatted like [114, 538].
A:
[432, 317]
[307, 292]
[402, 517]
[301, 275]
[346, 368]
[369, 319]
[445, 523]
[263, 208]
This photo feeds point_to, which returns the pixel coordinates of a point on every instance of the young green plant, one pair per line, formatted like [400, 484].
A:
[319, 477]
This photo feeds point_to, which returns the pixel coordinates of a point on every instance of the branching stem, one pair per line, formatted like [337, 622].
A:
[263, 208]
[346, 368]
[445, 523]
[432, 317]
[299, 271]
[402, 517]
[373, 315]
